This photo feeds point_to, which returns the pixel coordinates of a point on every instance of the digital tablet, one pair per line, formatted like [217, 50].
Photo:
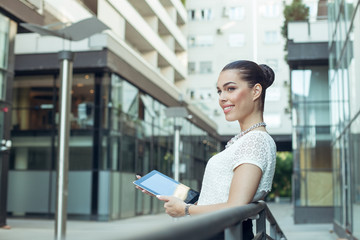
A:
[159, 184]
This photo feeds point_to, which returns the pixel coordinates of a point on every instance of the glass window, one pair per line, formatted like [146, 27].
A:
[82, 104]
[4, 42]
[130, 100]
[312, 136]
[200, 14]
[270, 10]
[116, 101]
[206, 14]
[201, 41]
[308, 84]
[2, 117]
[204, 94]
[236, 40]
[191, 67]
[353, 55]
[105, 87]
[355, 161]
[331, 20]
[272, 37]
[349, 10]
[34, 103]
[337, 169]
[128, 152]
[81, 152]
[205, 67]
[313, 114]
[191, 93]
[192, 14]
[148, 106]
[26, 155]
[236, 13]
[114, 150]
[2, 84]
[35, 108]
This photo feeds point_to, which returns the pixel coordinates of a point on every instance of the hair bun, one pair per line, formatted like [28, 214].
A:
[269, 75]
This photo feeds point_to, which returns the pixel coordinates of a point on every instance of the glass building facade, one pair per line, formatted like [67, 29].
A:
[344, 82]
[311, 144]
[117, 131]
[312, 164]
[7, 36]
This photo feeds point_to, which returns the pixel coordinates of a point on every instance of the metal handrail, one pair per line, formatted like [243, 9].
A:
[207, 225]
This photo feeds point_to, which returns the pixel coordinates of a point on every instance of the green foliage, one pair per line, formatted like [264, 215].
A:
[283, 174]
[296, 11]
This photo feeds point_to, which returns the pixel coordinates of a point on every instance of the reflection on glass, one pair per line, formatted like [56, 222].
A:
[355, 153]
[312, 137]
[82, 103]
[4, 44]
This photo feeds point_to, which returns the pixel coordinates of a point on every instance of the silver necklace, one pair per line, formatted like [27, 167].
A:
[242, 133]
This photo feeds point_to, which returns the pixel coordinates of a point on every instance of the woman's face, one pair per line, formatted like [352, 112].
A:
[235, 96]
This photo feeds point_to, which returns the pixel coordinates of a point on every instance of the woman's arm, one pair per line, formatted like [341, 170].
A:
[243, 187]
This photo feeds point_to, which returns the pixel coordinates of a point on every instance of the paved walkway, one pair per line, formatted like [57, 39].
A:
[283, 214]
[24, 229]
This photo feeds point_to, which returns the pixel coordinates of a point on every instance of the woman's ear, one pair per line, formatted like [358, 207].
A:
[257, 90]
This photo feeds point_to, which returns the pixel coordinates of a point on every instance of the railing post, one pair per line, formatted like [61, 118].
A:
[261, 224]
[273, 232]
[234, 233]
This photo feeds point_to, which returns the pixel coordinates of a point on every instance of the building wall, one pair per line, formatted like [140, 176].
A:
[11, 12]
[311, 144]
[308, 61]
[223, 31]
[124, 79]
[344, 32]
[114, 135]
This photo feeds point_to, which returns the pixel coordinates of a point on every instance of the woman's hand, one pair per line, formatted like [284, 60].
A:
[141, 189]
[174, 206]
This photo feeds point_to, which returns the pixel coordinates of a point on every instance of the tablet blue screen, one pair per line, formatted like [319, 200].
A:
[160, 185]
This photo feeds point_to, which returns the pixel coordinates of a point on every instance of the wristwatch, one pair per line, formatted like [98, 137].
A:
[187, 206]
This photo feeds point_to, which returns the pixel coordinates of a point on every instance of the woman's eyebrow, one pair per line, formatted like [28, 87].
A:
[225, 84]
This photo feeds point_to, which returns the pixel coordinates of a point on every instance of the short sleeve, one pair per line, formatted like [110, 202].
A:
[253, 149]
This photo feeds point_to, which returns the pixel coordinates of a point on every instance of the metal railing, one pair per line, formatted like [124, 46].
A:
[208, 225]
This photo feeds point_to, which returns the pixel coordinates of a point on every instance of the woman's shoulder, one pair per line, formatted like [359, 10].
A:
[256, 138]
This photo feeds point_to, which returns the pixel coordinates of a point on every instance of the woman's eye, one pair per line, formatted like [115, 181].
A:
[230, 89]
[219, 92]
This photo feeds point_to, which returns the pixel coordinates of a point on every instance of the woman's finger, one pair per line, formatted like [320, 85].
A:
[163, 198]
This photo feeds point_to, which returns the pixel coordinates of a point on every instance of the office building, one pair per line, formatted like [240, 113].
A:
[324, 73]
[308, 61]
[223, 31]
[344, 82]
[123, 81]
[11, 12]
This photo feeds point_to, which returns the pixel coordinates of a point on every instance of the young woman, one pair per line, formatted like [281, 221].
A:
[243, 172]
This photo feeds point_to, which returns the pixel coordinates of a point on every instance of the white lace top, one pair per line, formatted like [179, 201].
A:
[255, 147]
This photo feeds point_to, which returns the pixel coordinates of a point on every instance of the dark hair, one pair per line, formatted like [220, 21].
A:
[253, 73]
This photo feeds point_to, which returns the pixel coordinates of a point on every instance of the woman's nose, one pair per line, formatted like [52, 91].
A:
[222, 96]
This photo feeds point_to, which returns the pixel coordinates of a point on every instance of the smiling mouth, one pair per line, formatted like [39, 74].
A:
[228, 109]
